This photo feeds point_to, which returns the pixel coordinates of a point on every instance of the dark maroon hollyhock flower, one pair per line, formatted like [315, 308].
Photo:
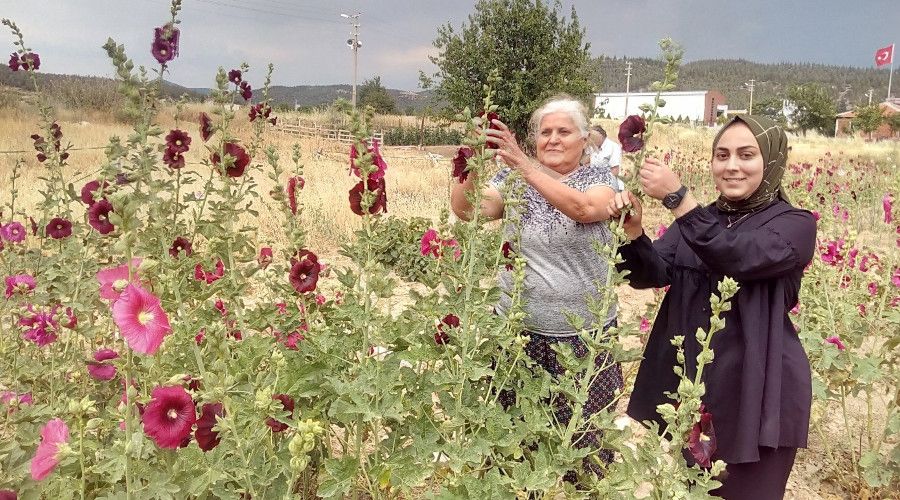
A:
[206, 128]
[34, 226]
[265, 257]
[460, 163]
[178, 141]
[293, 184]
[508, 254]
[246, 91]
[88, 191]
[59, 228]
[288, 403]
[169, 416]
[702, 440]
[304, 272]
[173, 159]
[98, 216]
[380, 203]
[489, 117]
[14, 63]
[181, 244]
[165, 43]
[56, 133]
[206, 437]
[241, 159]
[377, 161]
[450, 321]
[260, 110]
[235, 77]
[30, 61]
[631, 134]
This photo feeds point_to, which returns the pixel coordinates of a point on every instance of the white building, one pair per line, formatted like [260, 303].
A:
[696, 105]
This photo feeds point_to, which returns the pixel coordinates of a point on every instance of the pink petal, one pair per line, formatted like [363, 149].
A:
[53, 433]
[127, 312]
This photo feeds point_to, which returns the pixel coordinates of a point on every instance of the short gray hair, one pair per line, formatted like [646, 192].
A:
[561, 103]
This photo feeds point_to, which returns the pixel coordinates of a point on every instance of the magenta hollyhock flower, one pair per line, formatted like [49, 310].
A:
[660, 231]
[169, 416]
[378, 205]
[294, 183]
[265, 257]
[98, 216]
[181, 244]
[631, 134]
[206, 437]
[8, 495]
[239, 159]
[206, 127]
[235, 76]
[304, 273]
[887, 203]
[71, 320]
[19, 283]
[113, 280]
[209, 276]
[220, 306]
[88, 191]
[287, 403]
[836, 341]
[895, 278]
[452, 243]
[100, 370]
[46, 458]
[645, 324]
[873, 288]
[140, 319]
[178, 141]
[702, 439]
[14, 232]
[59, 228]
[461, 163]
[41, 325]
[441, 337]
[430, 243]
[246, 91]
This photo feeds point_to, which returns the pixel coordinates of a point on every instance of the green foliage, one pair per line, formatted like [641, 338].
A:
[428, 136]
[535, 49]
[868, 118]
[815, 108]
[372, 93]
[773, 107]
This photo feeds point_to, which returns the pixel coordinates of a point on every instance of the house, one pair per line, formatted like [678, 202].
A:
[843, 123]
[696, 105]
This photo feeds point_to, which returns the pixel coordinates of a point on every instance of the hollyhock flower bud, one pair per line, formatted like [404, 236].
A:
[836, 341]
[206, 128]
[461, 163]
[169, 416]
[631, 134]
[59, 228]
[141, 320]
[54, 435]
[239, 159]
[294, 183]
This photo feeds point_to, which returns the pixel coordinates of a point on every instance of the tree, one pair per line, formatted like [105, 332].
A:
[372, 93]
[535, 49]
[815, 108]
[868, 118]
[893, 121]
[773, 107]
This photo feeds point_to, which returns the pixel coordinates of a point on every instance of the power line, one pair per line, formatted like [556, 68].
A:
[292, 14]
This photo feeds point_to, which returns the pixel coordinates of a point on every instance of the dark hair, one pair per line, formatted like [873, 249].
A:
[600, 130]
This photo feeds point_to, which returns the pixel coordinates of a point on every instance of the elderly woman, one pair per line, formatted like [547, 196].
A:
[563, 211]
[758, 387]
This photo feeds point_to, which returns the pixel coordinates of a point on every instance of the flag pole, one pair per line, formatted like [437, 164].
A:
[891, 74]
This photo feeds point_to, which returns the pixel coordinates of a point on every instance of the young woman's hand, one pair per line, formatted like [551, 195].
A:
[657, 179]
[628, 203]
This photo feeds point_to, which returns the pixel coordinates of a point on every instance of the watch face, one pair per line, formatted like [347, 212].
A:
[671, 200]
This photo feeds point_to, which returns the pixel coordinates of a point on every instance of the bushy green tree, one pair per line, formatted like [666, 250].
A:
[773, 107]
[372, 93]
[815, 108]
[868, 118]
[536, 50]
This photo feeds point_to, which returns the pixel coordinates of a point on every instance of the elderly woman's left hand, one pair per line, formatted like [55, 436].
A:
[657, 179]
[508, 148]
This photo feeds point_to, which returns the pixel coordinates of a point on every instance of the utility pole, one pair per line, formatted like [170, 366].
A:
[627, 85]
[354, 44]
[869, 93]
[750, 85]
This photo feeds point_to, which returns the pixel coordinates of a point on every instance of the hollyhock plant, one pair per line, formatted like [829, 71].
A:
[14, 232]
[181, 244]
[239, 159]
[54, 434]
[294, 183]
[206, 437]
[19, 283]
[206, 127]
[98, 216]
[140, 318]
[59, 228]
[461, 163]
[287, 403]
[631, 134]
[702, 439]
[887, 203]
[98, 369]
[836, 341]
[378, 205]
[304, 273]
[169, 416]
[113, 280]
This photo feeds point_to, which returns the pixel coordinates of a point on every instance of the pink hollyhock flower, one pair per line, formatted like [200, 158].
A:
[59, 228]
[430, 243]
[836, 341]
[220, 306]
[15, 400]
[796, 309]
[206, 437]
[265, 257]
[861, 308]
[373, 186]
[816, 215]
[645, 324]
[169, 416]
[198, 339]
[441, 337]
[461, 163]
[8, 494]
[209, 276]
[19, 283]
[452, 243]
[14, 232]
[631, 134]
[141, 319]
[702, 439]
[206, 127]
[287, 403]
[851, 257]
[895, 278]
[304, 273]
[100, 370]
[887, 202]
[294, 183]
[320, 299]
[46, 458]
[98, 216]
[873, 288]
[181, 244]
[114, 279]
[281, 307]
[236, 159]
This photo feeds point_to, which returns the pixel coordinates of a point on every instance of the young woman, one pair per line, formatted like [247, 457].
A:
[758, 387]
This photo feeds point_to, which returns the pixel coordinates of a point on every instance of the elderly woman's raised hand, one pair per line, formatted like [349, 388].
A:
[657, 179]
[508, 148]
[626, 202]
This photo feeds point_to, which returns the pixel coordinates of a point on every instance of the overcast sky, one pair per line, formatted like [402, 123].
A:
[306, 40]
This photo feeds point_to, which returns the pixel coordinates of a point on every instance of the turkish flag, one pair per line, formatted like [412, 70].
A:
[884, 55]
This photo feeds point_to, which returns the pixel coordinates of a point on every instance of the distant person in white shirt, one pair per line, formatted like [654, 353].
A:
[606, 153]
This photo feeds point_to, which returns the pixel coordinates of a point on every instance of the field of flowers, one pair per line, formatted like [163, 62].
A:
[205, 309]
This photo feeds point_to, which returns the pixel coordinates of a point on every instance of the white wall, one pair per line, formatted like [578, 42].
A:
[690, 105]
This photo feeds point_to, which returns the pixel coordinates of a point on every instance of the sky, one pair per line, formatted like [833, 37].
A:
[307, 40]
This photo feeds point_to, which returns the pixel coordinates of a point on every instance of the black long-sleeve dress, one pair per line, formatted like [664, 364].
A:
[758, 388]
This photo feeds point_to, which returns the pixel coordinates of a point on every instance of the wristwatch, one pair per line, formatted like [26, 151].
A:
[672, 200]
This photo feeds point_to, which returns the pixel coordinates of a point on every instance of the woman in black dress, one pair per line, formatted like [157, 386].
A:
[758, 388]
